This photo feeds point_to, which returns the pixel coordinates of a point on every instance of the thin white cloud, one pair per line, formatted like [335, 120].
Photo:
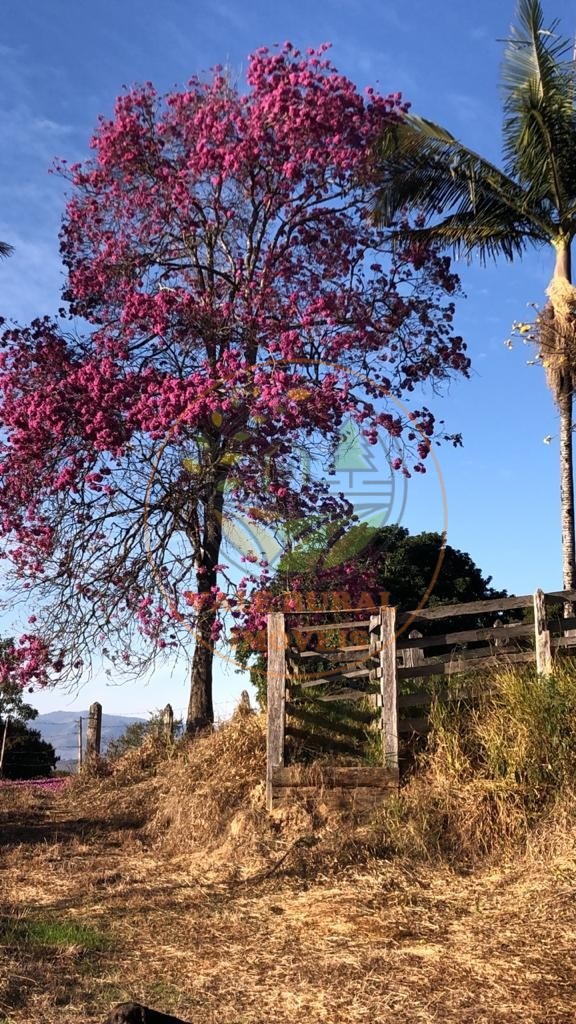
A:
[31, 279]
[470, 109]
[479, 34]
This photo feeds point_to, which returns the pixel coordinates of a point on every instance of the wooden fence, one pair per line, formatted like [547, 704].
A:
[367, 667]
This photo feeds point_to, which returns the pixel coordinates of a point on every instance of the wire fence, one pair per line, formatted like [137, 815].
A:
[69, 750]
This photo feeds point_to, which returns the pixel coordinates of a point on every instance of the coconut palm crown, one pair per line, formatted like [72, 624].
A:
[471, 206]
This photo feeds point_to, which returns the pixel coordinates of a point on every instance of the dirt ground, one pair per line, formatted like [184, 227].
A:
[384, 943]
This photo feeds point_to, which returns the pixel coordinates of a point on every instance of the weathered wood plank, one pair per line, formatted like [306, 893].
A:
[412, 652]
[308, 683]
[541, 635]
[333, 775]
[355, 801]
[462, 665]
[347, 695]
[344, 653]
[465, 636]
[334, 626]
[567, 642]
[276, 698]
[446, 611]
[388, 689]
[559, 595]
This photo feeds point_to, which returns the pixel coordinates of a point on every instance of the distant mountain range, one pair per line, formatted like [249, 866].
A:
[60, 728]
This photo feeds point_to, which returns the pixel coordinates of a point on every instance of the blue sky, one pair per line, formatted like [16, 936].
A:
[62, 64]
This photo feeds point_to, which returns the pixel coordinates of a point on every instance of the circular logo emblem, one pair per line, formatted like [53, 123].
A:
[373, 478]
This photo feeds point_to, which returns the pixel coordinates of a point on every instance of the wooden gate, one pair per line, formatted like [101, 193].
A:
[332, 697]
[350, 664]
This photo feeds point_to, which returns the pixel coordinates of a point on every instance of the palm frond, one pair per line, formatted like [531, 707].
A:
[539, 109]
[6, 249]
[423, 167]
[468, 235]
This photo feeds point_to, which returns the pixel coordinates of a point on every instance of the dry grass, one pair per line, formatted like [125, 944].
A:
[199, 904]
[500, 771]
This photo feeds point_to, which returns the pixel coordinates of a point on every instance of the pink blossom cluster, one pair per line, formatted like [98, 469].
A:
[355, 578]
[50, 785]
[218, 246]
[28, 661]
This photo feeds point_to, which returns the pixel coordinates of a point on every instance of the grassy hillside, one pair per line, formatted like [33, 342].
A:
[166, 882]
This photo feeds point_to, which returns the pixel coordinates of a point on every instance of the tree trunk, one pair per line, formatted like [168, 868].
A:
[565, 326]
[200, 708]
[565, 401]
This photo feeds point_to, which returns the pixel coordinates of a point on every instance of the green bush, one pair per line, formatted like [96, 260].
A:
[134, 735]
[26, 755]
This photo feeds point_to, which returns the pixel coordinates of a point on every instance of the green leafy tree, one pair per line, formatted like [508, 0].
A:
[408, 563]
[473, 207]
[134, 735]
[13, 705]
[26, 755]
[405, 568]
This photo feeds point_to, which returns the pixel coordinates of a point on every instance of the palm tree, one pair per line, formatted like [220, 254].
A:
[470, 206]
[5, 249]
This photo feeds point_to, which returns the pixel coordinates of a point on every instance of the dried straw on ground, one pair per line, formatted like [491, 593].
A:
[213, 911]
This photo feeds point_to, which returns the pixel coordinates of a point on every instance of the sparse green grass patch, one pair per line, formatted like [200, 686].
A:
[52, 933]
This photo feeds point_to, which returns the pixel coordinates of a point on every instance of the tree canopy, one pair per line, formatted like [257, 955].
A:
[239, 305]
[26, 754]
[12, 703]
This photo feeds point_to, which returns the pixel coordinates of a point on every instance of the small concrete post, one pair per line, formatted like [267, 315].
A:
[94, 732]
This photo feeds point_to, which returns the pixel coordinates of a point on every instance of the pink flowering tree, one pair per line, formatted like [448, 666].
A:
[239, 306]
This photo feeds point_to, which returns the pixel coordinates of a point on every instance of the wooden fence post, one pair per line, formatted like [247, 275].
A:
[542, 636]
[374, 656]
[168, 724]
[388, 688]
[244, 707]
[80, 744]
[276, 699]
[94, 731]
[413, 656]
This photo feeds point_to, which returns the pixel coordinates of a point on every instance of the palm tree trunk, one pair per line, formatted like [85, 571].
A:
[563, 386]
[565, 401]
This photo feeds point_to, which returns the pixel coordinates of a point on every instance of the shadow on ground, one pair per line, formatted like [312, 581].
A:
[30, 829]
